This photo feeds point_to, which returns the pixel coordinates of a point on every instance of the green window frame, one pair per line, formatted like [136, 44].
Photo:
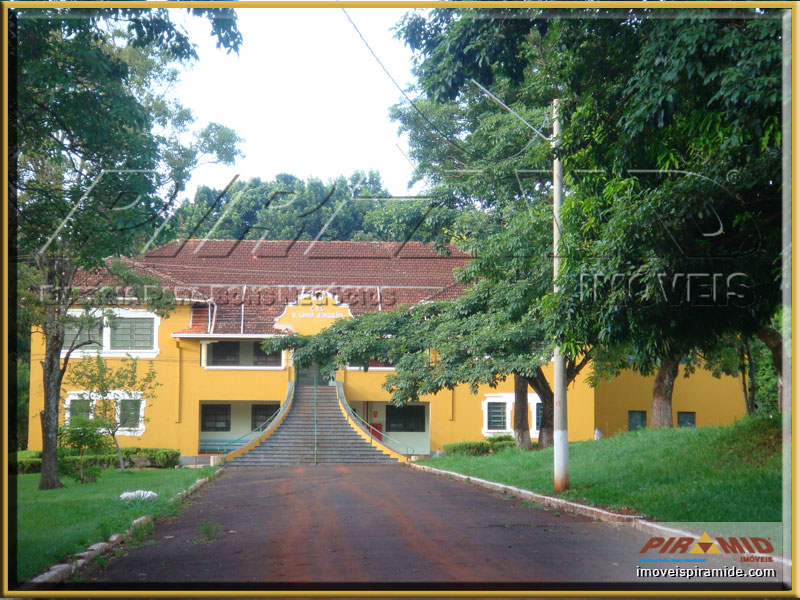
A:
[261, 412]
[637, 419]
[496, 416]
[224, 354]
[538, 416]
[687, 419]
[262, 359]
[130, 413]
[132, 333]
[76, 335]
[409, 418]
[80, 407]
[215, 417]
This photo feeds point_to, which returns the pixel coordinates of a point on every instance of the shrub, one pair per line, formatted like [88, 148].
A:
[25, 465]
[467, 448]
[167, 459]
[24, 455]
[493, 439]
[87, 436]
[503, 444]
[21, 463]
[140, 460]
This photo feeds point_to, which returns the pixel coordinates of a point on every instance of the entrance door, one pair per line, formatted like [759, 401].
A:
[306, 376]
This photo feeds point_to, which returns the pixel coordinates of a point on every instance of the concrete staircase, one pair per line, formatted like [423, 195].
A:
[293, 442]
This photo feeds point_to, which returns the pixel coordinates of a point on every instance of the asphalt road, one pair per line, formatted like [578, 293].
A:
[341, 527]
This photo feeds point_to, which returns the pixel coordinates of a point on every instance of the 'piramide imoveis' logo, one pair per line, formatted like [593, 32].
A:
[749, 549]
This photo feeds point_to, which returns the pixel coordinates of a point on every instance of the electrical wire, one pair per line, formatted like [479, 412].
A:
[430, 123]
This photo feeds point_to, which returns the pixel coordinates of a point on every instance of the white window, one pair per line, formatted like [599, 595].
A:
[133, 332]
[128, 406]
[497, 414]
[79, 335]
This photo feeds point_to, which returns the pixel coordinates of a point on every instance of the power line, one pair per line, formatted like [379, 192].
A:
[432, 125]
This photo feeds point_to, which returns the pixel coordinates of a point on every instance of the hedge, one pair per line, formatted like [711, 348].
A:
[160, 458]
[502, 444]
[467, 448]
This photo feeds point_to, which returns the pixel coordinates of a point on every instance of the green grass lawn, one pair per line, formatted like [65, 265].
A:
[53, 524]
[715, 474]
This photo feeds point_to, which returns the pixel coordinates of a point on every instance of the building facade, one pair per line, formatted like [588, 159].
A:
[217, 385]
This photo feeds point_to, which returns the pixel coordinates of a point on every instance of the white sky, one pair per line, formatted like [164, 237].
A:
[304, 92]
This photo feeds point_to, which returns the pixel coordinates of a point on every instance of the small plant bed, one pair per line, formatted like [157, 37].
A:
[716, 474]
[54, 524]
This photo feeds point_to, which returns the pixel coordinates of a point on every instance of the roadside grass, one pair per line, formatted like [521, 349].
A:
[53, 524]
[715, 474]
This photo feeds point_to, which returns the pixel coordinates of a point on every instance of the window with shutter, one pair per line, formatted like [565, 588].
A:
[132, 334]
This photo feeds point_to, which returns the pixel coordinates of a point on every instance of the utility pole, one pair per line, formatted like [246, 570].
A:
[560, 447]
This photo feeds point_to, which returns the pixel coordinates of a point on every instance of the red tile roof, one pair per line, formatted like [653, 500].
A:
[250, 282]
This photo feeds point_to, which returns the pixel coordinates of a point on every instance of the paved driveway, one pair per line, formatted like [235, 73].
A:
[371, 527]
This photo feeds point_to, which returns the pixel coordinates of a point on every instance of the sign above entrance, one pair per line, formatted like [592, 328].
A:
[311, 313]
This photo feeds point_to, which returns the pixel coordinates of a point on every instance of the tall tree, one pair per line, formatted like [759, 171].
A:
[678, 236]
[670, 127]
[98, 154]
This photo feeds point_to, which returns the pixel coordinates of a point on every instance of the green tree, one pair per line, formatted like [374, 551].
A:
[86, 437]
[637, 92]
[117, 395]
[98, 149]
[694, 239]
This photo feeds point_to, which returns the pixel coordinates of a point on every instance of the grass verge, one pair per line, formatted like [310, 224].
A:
[730, 473]
[54, 524]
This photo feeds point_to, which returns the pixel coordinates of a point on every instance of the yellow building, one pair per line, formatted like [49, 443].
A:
[217, 385]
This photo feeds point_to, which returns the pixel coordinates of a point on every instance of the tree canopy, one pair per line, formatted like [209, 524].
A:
[671, 142]
[100, 152]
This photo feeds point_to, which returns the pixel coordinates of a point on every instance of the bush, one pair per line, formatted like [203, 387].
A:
[30, 461]
[493, 439]
[467, 448]
[167, 459]
[502, 445]
[138, 460]
[25, 465]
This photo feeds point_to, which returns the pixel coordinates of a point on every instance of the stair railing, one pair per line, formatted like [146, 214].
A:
[267, 426]
[315, 418]
[363, 425]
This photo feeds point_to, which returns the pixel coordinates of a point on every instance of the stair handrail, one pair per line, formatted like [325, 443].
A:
[359, 422]
[267, 426]
[315, 418]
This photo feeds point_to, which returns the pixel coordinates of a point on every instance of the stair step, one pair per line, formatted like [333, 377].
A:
[293, 442]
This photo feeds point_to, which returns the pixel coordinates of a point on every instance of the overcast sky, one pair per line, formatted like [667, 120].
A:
[304, 92]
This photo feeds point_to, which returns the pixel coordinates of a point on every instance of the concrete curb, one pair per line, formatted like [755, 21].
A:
[63, 571]
[599, 514]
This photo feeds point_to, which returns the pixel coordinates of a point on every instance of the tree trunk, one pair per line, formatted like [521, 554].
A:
[773, 341]
[662, 393]
[542, 388]
[80, 466]
[57, 279]
[751, 379]
[119, 452]
[522, 428]
[747, 372]
[51, 375]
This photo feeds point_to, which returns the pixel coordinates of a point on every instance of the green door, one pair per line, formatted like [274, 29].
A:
[307, 376]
